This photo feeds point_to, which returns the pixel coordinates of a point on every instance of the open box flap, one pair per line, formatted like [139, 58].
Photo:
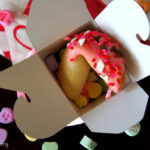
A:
[124, 20]
[44, 115]
[119, 113]
[53, 19]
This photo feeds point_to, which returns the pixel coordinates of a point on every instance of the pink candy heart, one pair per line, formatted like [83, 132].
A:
[6, 115]
[3, 135]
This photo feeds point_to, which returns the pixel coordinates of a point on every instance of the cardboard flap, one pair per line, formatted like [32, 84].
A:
[124, 20]
[49, 110]
[119, 113]
[51, 20]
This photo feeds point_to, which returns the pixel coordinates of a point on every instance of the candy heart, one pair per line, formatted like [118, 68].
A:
[50, 146]
[6, 115]
[3, 135]
[88, 143]
[30, 138]
[133, 131]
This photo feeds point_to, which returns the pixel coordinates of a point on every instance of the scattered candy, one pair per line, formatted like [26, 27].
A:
[3, 135]
[133, 131]
[6, 115]
[88, 143]
[94, 90]
[30, 138]
[50, 146]
[52, 63]
[81, 100]
[103, 84]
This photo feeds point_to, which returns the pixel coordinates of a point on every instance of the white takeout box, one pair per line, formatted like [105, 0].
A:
[50, 110]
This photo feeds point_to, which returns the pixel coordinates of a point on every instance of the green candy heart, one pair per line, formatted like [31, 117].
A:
[50, 146]
[88, 143]
[133, 131]
[103, 84]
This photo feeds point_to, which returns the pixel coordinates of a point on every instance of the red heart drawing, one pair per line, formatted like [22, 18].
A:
[16, 38]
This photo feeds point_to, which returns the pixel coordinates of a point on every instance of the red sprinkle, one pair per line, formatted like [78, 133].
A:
[110, 66]
[95, 65]
[99, 74]
[115, 55]
[122, 61]
[118, 81]
[105, 56]
[112, 75]
[109, 44]
[119, 73]
[104, 71]
[95, 50]
[110, 84]
[117, 67]
[67, 38]
[101, 43]
[97, 55]
[93, 59]
[117, 45]
[70, 47]
[87, 45]
[112, 71]
[106, 62]
[80, 34]
[109, 74]
[114, 64]
[71, 59]
[104, 51]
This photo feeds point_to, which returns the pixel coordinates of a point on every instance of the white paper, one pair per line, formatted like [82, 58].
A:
[124, 19]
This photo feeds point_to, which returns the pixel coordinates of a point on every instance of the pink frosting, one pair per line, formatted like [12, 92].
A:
[105, 62]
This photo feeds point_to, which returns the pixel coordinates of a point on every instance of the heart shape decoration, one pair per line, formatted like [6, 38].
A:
[6, 115]
[50, 146]
[3, 135]
[16, 38]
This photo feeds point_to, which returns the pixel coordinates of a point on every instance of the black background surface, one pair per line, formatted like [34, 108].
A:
[69, 138]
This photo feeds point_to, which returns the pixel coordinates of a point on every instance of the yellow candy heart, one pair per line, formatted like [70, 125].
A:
[81, 101]
[30, 138]
[94, 90]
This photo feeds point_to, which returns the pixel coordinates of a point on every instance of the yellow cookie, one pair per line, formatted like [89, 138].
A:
[30, 138]
[73, 75]
[81, 101]
[94, 90]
